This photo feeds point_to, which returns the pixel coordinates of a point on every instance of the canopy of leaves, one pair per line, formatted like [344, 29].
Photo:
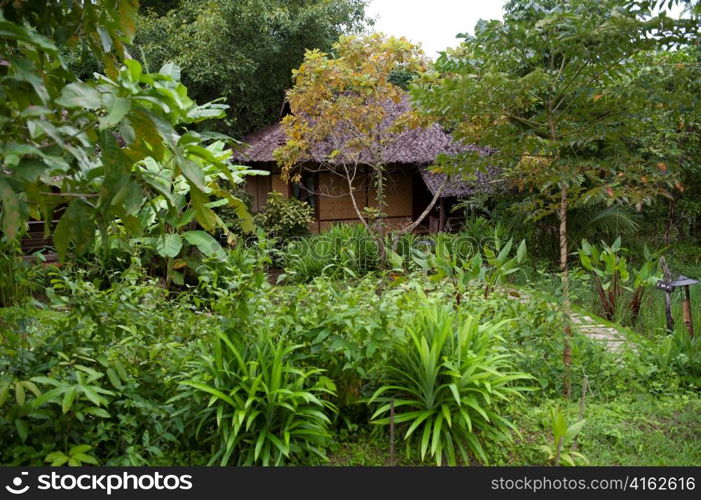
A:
[555, 88]
[243, 51]
[671, 135]
[342, 100]
[80, 145]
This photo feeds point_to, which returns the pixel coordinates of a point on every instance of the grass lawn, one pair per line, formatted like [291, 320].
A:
[634, 430]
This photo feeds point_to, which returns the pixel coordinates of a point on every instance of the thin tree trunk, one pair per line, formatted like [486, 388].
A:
[427, 211]
[382, 252]
[564, 270]
[566, 306]
[349, 179]
[670, 220]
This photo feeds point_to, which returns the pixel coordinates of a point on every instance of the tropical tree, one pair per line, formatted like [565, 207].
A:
[347, 111]
[672, 134]
[242, 51]
[552, 87]
[81, 145]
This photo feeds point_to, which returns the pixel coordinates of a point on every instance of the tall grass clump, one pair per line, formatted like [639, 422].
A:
[446, 383]
[344, 251]
[262, 408]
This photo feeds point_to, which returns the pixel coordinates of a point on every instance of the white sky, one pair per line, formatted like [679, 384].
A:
[433, 23]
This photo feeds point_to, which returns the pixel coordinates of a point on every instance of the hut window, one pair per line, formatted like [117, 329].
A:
[305, 190]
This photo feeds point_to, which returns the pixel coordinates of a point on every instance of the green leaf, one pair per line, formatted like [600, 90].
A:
[68, 399]
[205, 243]
[22, 429]
[17, 32]
[169, 245]
[56, 458]
[92, 395]
[178, 278]
[98, 412]
[79, 95]
[85, 459]
[172, 70]
[32, 387]
[4, 393]
[204, 215]
[114, 378]
[573, 430]
[521, 252]
[19, 393]
[105, 39]
[81, 448]
[120, 107]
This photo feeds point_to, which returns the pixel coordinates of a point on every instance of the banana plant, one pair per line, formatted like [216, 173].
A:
[611, 272]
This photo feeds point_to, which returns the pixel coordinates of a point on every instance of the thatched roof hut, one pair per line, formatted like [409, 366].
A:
[412, 148]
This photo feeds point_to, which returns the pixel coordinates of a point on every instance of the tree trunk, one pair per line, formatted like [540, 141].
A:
[566, 306]
[670, 221]
[415, 224]
[378, 236]
[349, 179]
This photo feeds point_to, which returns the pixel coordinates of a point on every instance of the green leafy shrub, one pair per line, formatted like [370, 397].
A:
[285, 218]
[446, 382]
[264, 408]
[88, 378]
[677, 353]
[344, 251]
[346, 331]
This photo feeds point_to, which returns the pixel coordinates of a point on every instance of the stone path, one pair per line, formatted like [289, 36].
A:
[586, 325]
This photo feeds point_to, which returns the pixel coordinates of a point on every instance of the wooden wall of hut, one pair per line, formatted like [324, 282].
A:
[335, 204]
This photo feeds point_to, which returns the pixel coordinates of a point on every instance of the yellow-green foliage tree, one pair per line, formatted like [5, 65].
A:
[342, 118]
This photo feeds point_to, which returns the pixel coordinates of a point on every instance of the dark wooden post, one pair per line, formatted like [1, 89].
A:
[667, 295]
[686, 311]
[441, 224]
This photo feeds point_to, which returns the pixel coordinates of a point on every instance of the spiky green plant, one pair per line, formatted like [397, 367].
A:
[446, 382]
[261, 407]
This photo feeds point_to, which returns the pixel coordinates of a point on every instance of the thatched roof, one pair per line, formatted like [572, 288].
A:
[417, 147]
[456, 187]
